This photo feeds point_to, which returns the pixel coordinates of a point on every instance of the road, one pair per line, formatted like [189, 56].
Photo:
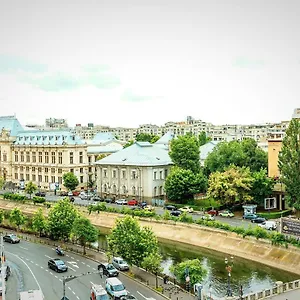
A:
[29, 268]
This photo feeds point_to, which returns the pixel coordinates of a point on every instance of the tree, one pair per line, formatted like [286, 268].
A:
[262, 186]
[132, 241]
[2, 182]
[185, 153]
[61, 218]
[146, 137]
[231, 186]
[152, 263]
[16, 217]
[181, 184]
[1, 216]
[70, 181]
[195, 270]
[39, 223]
[289, 163]
[242, 154]
[203, 139]
[30, 188]
[129, 143]
[84, 231]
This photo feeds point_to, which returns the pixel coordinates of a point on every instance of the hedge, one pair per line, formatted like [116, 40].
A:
[275, 215]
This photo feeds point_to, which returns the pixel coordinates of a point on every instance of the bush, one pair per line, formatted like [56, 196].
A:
[37, 199]
[14, 197]
[184, 217]
[260, 233]
[275, 215]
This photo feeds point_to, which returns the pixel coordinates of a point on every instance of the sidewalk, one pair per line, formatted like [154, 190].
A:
[169, 290]
[291, 295]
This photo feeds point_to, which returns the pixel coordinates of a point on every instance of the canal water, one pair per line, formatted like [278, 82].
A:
[249, 275]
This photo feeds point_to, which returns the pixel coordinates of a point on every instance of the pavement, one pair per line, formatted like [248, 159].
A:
[291, 295]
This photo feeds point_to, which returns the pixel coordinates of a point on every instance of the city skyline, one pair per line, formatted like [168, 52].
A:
[124, 64]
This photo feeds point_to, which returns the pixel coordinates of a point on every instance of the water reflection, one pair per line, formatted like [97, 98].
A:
[250, 275]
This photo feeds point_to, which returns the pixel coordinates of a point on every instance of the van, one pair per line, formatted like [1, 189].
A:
[32, 295]
[269, 225]
[115, 288]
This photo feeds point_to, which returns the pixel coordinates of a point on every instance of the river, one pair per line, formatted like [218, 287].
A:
[249, 275]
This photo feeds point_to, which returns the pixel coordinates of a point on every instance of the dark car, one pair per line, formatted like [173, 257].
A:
[72, 199]
[108, 270]
[57, 265]
[109, 200]
[143, 204]
[258, 220]
[170, 207]
[11, 238]
[175, 213]
[40, 194]
[63, 193]
[96, 198]
[250, 216]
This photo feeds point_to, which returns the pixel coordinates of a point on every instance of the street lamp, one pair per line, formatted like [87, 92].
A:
[229, 265]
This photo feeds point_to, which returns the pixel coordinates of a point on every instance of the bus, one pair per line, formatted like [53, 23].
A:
[32, 295]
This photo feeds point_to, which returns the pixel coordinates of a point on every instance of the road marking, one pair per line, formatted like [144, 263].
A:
[73, 263]
[60, 280]
[37, 265]
[55, 276]
[141, 295]
[88, 266]
[28, 269]
[73, 292]
[94, 269]
[83, 262]
[77, 297]
[72, 269]
[23, 248]
[42, 267]
[69, 288]
[48, 256]
[72, 257]
[50, 272]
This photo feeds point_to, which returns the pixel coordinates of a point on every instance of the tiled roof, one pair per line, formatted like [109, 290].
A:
[12, 124]
[47, 137]
[138, 154]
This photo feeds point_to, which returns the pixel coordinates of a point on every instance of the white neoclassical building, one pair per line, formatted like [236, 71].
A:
[138, 172]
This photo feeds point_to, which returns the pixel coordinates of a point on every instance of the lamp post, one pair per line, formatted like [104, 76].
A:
[229, 265]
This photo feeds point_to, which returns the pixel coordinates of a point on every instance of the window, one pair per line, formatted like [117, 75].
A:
[81, 170]
[27, 157]
[53, 158]
[16, 175]
[133, 175]
[71, 157]
[27, 169]
[39, 169]
[16, 157]
[80, 157]
[4, 156]
[22, 156]
[105, 173]
[40, 178]
[90, 159]
[160, 174]
[21, 176]
[60, 158]
[52, 170]
[90, 169]
[34, 157]
[46, 178]
[166, 173]
[27, 177]
[21, 169]
[123, 174]
[155, 191]
[133, 190]
[72, 170]
[154, 175]
[59, 171]
[16, 169]
[33, 169]
[40, 157]
[53, 179]
[161, 190]
[114, 174]
[46, 170]
[81, 179]
[46, 157]
[59, 180]
[33, 177]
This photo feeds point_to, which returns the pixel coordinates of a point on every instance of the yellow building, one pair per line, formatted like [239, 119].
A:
[274, 147]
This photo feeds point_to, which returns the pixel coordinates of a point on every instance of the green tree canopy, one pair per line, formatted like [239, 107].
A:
[132, 241]
[262, 186]
[129, 143]
[230, 186]
[16, 217]
[2, 182]
[152, 263]
[1, 216]
[203, 139]
[289, 163]
[39, 222]
[146, 137]
[195, 270]
[70, 181]
[61, 218]
[30, 188]
[185, 153]
[181, 185]
[242, 154]
[84, 231]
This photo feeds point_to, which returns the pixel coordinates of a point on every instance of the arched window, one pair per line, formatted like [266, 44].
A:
[155, 191]
[105, 188]
[133, 190]
[114, 189]
[124, 189]
[161, 190]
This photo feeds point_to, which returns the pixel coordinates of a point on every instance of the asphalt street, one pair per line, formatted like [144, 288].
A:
[29, 268]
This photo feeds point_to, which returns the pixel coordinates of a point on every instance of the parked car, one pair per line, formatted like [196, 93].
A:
[186, 209]
[175, 213]
[96, 198]
[108, 269]
[63, 193]
[213, 212]
[109, 200]
[40, 194]
[208, 217]
[121, 202]
[84, 197]
[57, 265]
[72, 199]
[120, 264]
[170, 207]
[269, 225]
[115, 288]
[76, 193]
[250, 216]
[132, 202]
[143, 204]
[258, 220]
[131, 297]
[98, 292]
[149, 208]
[226, 213]
[11, 238]
[70, 193]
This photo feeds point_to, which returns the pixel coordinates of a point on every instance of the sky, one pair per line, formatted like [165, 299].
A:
[133, 62]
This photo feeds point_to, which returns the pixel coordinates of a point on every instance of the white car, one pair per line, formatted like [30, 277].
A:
[121, 202]
[208, 217]
[269, 225]
[186, 209]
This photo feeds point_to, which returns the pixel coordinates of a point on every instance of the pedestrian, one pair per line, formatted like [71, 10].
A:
[165, 279]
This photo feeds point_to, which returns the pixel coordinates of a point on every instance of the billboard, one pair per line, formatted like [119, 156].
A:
[290, 226]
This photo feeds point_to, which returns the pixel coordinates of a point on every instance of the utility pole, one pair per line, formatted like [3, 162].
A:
[3, 269]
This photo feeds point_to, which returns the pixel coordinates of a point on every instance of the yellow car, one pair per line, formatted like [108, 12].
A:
[186, 209]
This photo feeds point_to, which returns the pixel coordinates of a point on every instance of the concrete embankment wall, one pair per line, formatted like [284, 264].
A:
[200, 236]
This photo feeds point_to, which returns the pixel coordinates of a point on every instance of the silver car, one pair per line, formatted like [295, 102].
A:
[120, 264]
